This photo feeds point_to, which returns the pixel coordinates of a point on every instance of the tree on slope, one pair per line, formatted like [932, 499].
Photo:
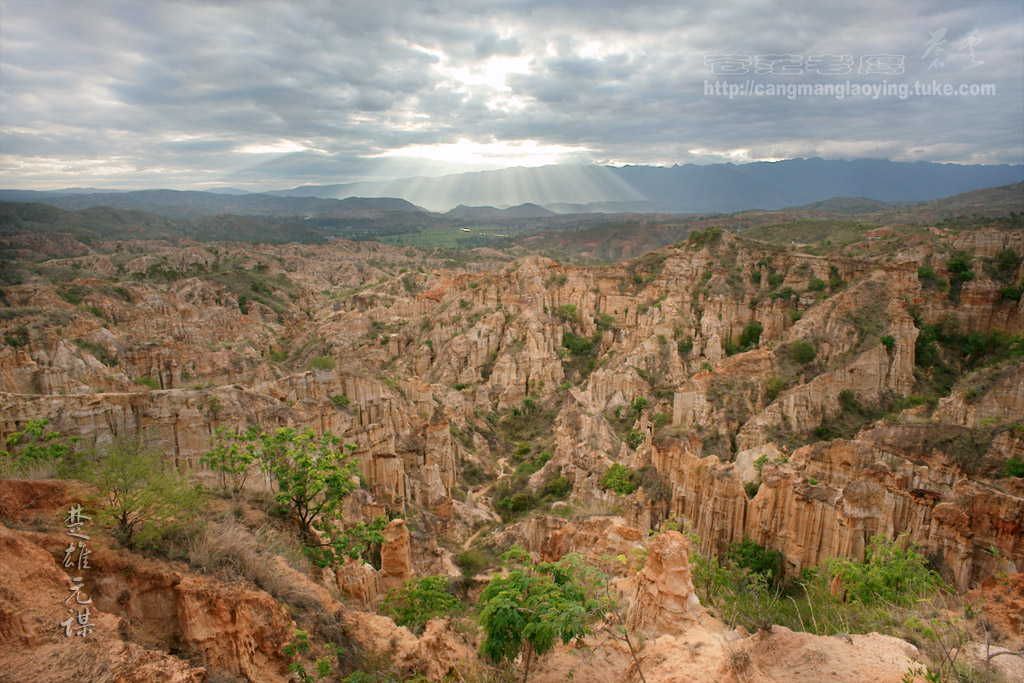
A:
[532, 607]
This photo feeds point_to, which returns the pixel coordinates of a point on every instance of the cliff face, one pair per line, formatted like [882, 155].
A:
[437, 369]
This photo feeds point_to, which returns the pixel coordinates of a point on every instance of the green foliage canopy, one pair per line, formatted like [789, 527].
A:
[533, 606]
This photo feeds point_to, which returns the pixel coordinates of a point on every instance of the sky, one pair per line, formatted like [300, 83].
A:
[272, 95]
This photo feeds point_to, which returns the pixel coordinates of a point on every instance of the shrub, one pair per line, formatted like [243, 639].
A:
[577, 346]
[835, 280]
[634, 438]
[710, 236]
[751, 334]
[639, 405]
[510, 506]
[958, 264]
[472, 562]
[340, 400]
[760, 560]
[889, 342]
[604, 321]
[34, 445]
[816, 285]
[322, 363]
[1014, 467]
[532, 606]
[618, 478]
[685, 345]
[784, 293]
[802, 352]
[892, 572]
[556, 487]
[774, 387]
[145, 497]
[419, 601]
[149, 382]
[1011, 292]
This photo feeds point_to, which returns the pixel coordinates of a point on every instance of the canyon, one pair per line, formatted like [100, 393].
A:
[807, 399]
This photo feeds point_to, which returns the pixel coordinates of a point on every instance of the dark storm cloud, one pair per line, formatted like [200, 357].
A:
[280, 93]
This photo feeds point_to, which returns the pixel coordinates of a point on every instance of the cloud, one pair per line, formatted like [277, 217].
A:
[173, 94]
[492, 45]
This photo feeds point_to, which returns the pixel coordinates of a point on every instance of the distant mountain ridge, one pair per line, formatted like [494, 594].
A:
[718, 188]
[528, 210]
[192, 204]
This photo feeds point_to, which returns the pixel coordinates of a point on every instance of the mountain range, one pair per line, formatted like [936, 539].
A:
[536, 192]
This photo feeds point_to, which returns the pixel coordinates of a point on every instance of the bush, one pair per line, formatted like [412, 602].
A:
[33, 446]
[889, 342]
[802, 352]
[149, 382]
[556, 487]
[634, 438]
[511, 506]
[322, 363]
[774, 387]
[1014, 467]
[958, 265]
[473, 562]
[1011, 292]
[892, 572]
[710, 236]
[340, 400]
[566, 313]
[751, 334]
[760, 560]
[144, 497]
[618, 478]
[784, 293]
[419, 601]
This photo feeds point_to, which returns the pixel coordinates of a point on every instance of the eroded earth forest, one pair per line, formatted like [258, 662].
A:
[771, 446]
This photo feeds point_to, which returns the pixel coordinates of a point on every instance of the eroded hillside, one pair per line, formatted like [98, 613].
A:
[805, 399]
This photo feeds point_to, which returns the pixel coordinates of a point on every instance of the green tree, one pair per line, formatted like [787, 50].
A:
[747, 554]
[532, 607]
[419, 601]
[146, 498]
[618, 478]
[639, 405]
[312, 473]
[231, 455]
[34, 445]
[801, 351]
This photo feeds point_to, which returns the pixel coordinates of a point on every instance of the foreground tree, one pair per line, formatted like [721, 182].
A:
[146, 498]
[532, 607]
[312, 473]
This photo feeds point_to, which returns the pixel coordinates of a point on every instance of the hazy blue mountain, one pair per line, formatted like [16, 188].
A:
[687, 188]
[190, 204]
[477, 213]
[718, 188]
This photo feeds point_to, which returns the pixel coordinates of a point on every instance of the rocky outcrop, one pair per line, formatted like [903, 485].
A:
[33, 594]
[664, 601]
[395, 556]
